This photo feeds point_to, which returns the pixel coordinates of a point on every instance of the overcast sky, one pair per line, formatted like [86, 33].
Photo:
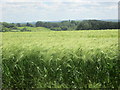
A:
[54, 10]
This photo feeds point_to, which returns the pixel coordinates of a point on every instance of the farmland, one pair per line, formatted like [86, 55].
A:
[60, 59]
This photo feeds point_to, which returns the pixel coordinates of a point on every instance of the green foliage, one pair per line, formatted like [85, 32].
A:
[64, 28]
[34, 29]
[39, 24]
[18, 25]
[83, 25]
[24, 30]
[29, 25]
[65, 59]
[56, 29]
[4, 29]
[96, 25]
[7, 27]
[63, 25]
[58, 26]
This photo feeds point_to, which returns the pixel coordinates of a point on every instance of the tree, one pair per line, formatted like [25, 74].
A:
[39, 24]
[18, 25]
[29, 25]
[96, 25]
[24, 29]
[4, 29]
[64, 28]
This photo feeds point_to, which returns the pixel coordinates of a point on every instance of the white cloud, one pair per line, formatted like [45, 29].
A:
[32, 1]
[21, 11]
[91, 0]
[112, 7]
[60, 5]
[60, 0]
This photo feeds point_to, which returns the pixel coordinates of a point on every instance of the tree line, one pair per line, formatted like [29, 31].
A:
[62, 26]
[96, 25]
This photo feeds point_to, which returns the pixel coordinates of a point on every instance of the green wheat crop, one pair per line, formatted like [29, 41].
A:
[61, 59]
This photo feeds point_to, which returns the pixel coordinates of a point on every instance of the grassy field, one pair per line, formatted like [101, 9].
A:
[61, 59]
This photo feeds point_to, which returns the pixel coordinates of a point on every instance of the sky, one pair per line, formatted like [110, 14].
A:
[55, 10]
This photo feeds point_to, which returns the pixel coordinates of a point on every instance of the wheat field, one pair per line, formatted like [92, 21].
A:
[60, 59]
